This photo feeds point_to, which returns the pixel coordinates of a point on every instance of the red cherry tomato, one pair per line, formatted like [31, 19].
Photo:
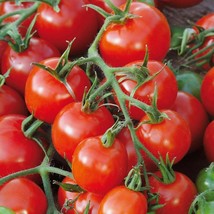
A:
[23, 196]
[122, 43]
[73, 21]
[15, 149]
[11, 102]
[170, 137]
[208, 142]
[72, 125]
[123, 200]
[192, 110]
[98, 169]
[176, 197]
[207, 91]
[21, 63]
[165, 82]
[45, 95]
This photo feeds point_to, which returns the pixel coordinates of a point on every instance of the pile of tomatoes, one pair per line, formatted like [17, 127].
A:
[95, 115]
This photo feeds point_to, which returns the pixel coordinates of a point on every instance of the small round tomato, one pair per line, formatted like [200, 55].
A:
[177, 196]
[122, 43]
[73, 21]
[208, 142]
[15, 149]
[194, 113]
[207, 91]
[23, 196]
[123, 200]
[45, 95]
[97, 168]
[72, 125]
[205, 180]
[11, 102]
[170, 137]
[21, 63]
[165, 82]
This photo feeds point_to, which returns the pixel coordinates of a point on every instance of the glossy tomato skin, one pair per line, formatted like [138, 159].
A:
[208, 142]
[21, 63]
[165, 82]
[11, 102]
[125, 137]
[207, 91]
[23, 196]
[11, 6]
[180, 3]
[72, 125]
[172, 136]
[123, 200]
[15, 149]
[45, 95]
[192, 110]
[98, 169]
[73, 21]
[176, 196]
[123, 43]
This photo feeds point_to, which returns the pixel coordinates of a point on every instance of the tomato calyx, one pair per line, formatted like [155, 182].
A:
[109, 136]
[189, 46]
[203, 203]
[10, 33]
[133, 180]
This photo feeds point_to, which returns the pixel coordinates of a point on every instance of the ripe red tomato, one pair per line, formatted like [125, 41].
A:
[12, 6]
[11, 102]
[23, 196]
[97, 168]
[192, 110]
[45, 95]
[207, 91]
[72, 125]
[171, 136]
[180, 3]
[73, 21]
[208, 142]
[123, 200]
[122, 43]
[165, 82]
[176, 196]
[15, 149]
[21, 63]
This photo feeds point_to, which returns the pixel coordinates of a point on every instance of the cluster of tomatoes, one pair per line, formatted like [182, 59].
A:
[94, 115]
